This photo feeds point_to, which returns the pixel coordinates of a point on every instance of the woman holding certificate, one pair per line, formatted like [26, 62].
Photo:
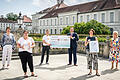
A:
[91, 57]
[114, 54]
[25, 45]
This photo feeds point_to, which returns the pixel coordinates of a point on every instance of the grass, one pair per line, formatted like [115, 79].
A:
[37, 38]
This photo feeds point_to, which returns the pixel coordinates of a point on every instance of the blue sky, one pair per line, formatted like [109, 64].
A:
[29, 7]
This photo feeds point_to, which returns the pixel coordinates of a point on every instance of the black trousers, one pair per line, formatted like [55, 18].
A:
[71, 51]
[25, 58]
[45, 49]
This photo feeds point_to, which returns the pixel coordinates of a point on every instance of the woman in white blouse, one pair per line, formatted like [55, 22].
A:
[25, 45]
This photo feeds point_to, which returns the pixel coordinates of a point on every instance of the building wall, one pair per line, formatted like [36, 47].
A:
[69, 18]
[3, 26]
[35, 22]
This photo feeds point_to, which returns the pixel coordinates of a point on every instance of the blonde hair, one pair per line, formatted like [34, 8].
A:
[116, 33]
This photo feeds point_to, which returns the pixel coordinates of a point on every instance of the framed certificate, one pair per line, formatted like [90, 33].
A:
[94, 47]
[60, 41]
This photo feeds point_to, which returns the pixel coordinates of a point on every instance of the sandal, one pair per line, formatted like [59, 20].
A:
[25, 76]
[116, 69]
[90, 73]
[112, 68]
[97, 74]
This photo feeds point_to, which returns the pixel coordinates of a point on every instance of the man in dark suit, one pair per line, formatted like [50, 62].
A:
[73, 46]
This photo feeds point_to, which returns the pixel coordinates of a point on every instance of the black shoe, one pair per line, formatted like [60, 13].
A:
[47, 63]
[69, 64]
[75, 65]
[40, 64]
[33, 75]
[90, 73]
[97, 74]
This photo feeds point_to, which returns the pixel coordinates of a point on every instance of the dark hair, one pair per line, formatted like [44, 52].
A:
[25, 31]
[92, 31]
[7, 28]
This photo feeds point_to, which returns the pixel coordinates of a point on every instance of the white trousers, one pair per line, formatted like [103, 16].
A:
[7, 53]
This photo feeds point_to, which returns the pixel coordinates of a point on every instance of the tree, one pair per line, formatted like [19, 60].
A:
[12, 16]
[83, 28]
[66, 30]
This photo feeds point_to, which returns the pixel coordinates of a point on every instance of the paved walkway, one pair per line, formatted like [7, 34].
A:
[58, 70]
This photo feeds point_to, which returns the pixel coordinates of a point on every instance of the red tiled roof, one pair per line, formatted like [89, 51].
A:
[26, 19]
[86, 7]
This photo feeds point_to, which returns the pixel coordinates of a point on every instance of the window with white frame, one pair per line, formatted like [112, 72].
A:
[40, 31]
[44, 22]
[60, 31]
[67, 20]
[4, 25]
[73, 19]
[111, 17]
[47, 22]
[81, 18]
[88, 18]
[55, 21]
[40, 22]
[95, 16]
[55, 31]
[43, 31]
[119, 17]
[51, 31]
[103, 17]
[61, 21]
[51, 21]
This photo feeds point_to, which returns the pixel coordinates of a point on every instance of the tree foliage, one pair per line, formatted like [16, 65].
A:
[83, 28]
[12, 16]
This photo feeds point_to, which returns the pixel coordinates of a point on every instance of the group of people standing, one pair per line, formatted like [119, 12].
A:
[26, 43]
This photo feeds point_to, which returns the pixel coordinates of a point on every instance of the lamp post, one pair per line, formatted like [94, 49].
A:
[20, 20]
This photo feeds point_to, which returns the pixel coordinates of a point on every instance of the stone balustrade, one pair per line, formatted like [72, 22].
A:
[103, 47]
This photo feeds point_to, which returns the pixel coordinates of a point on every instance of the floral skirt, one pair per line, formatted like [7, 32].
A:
[114, 56]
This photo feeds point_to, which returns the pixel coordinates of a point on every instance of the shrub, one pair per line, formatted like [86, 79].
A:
[83, 28]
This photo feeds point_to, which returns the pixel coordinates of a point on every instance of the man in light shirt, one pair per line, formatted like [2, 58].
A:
[46, 47]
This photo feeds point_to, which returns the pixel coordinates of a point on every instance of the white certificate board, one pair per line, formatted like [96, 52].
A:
[60, 41]
[94, 47]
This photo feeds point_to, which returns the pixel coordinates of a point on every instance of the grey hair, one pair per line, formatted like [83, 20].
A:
[115, 32]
